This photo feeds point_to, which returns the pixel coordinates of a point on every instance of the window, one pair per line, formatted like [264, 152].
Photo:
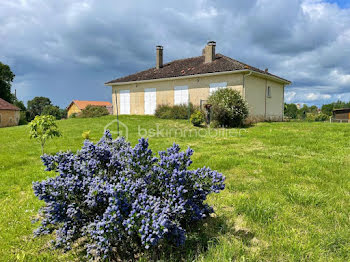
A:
[216, 86]
[268, 91]
[181, 95]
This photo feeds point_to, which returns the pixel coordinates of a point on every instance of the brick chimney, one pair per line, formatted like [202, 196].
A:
[209, 52]
[159, 57]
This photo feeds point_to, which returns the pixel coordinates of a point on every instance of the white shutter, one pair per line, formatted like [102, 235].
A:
[216, 86]
[150, 100]
[124, 102]
[180, 95]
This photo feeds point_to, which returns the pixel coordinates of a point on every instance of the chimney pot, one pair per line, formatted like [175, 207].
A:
[266, 70]
[209, 52]
[159, 56]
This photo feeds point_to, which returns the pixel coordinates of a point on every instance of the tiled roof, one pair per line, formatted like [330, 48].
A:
[191, 66]
[4, 105]
[83, 104]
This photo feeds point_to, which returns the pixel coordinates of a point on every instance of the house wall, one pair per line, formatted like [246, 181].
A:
[270, 108]
[9, 118]
[254, 93]
[73, 109]
[198, 89]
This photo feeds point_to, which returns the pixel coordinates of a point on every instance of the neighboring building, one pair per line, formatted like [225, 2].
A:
[9, 114]
[193, 79]
[77, 106]
[341, 114]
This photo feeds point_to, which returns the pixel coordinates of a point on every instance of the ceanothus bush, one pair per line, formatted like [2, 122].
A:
[120, 200]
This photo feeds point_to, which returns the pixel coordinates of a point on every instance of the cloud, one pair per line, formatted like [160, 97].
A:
[67, 49]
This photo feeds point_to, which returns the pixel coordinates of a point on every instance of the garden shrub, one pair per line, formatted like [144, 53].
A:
[197, 118]
[214, 124]
[175, 112]
[228, 107]
[94, 111]
[321, 117]
[119, 201]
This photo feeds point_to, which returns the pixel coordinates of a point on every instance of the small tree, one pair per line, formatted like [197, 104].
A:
[43, 128]
[228, 107]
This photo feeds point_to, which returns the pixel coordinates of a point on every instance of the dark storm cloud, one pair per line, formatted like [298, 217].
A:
[67, 49]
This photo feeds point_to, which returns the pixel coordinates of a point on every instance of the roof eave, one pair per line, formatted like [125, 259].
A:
[176, 77]
[272, 77]
[275, 78]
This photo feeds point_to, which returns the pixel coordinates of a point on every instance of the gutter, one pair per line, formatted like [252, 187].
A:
[201, 75]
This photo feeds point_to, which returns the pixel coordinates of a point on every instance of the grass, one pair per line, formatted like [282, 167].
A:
[286, 198]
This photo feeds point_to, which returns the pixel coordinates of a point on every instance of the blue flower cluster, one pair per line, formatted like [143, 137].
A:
[123, 199]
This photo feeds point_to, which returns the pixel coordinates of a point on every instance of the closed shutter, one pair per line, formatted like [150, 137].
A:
[216, 86]
[181, 95]
[150, 101]
[124, 102]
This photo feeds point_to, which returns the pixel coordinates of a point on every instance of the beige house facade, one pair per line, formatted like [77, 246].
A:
[195, 79]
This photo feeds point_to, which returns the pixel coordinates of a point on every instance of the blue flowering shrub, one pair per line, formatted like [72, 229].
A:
[117, 200]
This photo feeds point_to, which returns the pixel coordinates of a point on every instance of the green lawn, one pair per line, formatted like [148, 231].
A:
[287, 195]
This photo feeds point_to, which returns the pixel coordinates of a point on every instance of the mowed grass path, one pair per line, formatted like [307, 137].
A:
[287, 195]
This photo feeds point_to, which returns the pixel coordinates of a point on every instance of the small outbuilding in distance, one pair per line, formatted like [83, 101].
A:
[9, 114]
[341, 115]
[77, 106]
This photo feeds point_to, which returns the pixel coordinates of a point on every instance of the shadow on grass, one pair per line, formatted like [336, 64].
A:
[201, 236]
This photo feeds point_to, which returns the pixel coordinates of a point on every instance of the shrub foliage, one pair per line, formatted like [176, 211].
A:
[120, 200]
[174, 112]
[94, 111]
[197, 118]
[228, 107]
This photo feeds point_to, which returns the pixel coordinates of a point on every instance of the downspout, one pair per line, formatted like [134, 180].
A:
[244, 76]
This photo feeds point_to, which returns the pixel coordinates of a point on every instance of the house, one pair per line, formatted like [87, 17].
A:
[193, 80]
[342, 114]
[9, 114]
[76, 106]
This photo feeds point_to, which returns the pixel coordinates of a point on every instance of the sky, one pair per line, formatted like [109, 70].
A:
[68, 49]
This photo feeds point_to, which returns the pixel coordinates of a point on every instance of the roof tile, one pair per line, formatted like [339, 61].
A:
[190, 66]
[4, 105]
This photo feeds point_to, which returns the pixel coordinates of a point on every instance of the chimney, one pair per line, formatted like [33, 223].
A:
[209, 52]
[266, 70]
[159, 58]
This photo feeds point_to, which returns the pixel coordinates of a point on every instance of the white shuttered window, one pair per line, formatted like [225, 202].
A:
[181, 95]
[124, 102]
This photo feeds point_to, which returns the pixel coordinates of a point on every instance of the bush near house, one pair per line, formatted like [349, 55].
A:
[197, 118]
[228, 107]
[122, 199]
[175, 111]
[94, 111]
